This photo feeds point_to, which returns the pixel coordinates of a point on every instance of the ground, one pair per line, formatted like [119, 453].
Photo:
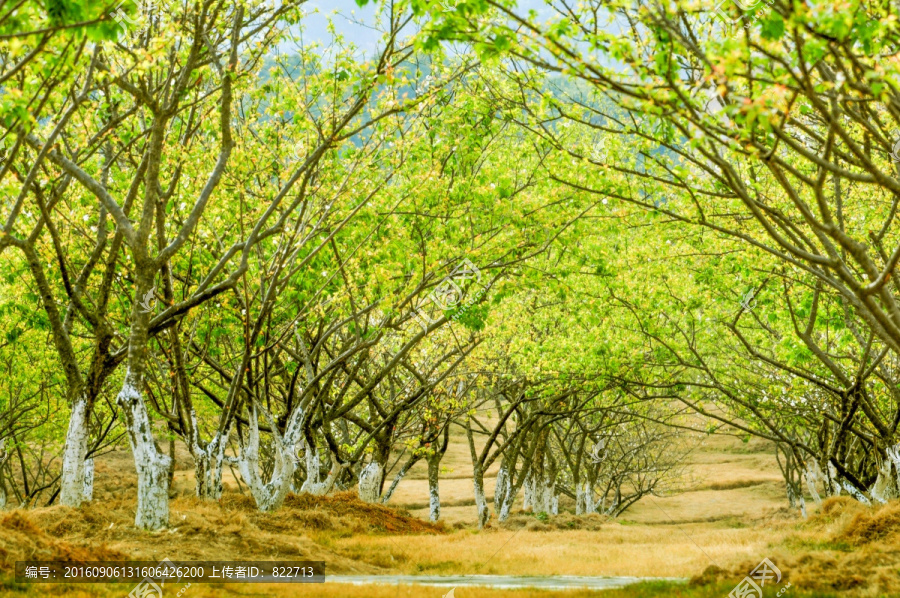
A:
[731, 513]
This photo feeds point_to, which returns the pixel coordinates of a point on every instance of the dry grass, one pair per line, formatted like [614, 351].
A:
[21, 538]
[230, 529]
[845, 547]
[612, 549]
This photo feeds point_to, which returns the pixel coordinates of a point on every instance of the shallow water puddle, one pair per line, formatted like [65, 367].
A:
[503, 582]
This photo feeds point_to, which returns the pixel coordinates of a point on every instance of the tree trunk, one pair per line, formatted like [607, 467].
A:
[270, 496]
[852, 491]
[543, 494]
[370, 482]
[88, 480]
[503, 494]
[792, 499]
[324, 487]
[313, 465]
[812, 477]
[72, 482]
[833, 486]
[893, 455]
[528, 497]
[2, 488]
[152, 464]
[208, 465]
[483, 513]
[399, 478]
[584, 499]
[884, 488]
[434, 502]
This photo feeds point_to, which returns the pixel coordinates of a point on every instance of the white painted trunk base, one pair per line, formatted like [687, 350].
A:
[543, 496]
[268, 496]
[209, 462]
[71, 492]
[482, 511]
[885, 487]
[856, 493]
[503, 495]
[434, 496]
[812, 476]
[88, 480]
[834, 488]
[584, 499]
[152, 465]
[311, 484]
[369, 488]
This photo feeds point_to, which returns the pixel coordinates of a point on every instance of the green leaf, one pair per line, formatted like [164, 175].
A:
[772, 27]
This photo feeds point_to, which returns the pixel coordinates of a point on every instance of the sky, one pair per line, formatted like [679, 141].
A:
[355, 23]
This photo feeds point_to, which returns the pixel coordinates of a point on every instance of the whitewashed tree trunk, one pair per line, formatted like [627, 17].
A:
[4, 455]
[852, 491]
[803, 507]
[270, 496]
[589, 505]
[529, 490]
[482, 511]
[584, 499]
[506, 506]
[543, 495]
[885, 487]
[313, 466]
[893, 455]
[88, 480]
[311, 484]
[370, 482]
[397, 479]
[151, 463]
[834, 487]
[209, 461]
[579, 500]
[812, 476]
[792, 498]
[434, 502]
[501, 488]
[503, 495]
[71, 491]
